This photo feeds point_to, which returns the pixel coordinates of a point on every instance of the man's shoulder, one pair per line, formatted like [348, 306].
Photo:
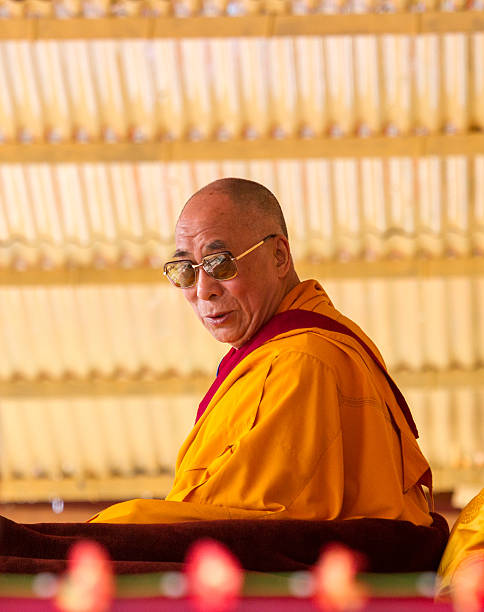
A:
[312, 343]
[314, 350]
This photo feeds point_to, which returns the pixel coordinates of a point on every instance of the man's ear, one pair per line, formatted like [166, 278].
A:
[282, 255]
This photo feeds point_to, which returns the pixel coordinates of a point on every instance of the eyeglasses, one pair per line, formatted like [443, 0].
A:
[221, 266]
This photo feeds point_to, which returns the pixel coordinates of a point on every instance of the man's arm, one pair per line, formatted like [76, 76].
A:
[264, 470]
[294, 436]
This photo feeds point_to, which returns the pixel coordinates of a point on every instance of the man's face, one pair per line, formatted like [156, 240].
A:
[231, 310]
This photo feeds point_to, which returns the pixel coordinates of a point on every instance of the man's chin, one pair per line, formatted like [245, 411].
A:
[227, 336]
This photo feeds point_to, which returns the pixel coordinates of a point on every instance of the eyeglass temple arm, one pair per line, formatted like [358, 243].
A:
[254, 247]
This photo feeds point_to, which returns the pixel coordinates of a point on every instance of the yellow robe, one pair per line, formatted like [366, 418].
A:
[465, 542]
[299, 429]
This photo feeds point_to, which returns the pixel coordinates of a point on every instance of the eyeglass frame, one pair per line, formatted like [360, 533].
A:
[197, 266]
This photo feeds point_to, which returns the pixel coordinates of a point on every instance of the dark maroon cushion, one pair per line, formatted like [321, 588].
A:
[260, 545]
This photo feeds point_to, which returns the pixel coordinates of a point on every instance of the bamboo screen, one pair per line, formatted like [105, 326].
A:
[367, 129]
[241, 88]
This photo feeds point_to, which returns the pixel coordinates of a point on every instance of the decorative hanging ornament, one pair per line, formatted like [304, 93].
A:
[335, 588]
[214, 577]
[88, 585]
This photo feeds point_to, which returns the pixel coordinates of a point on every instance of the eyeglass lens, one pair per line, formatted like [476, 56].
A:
[221, 266]
[183, 274]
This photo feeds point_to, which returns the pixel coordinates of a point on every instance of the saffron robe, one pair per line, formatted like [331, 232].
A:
[306, 426]
[465, 544]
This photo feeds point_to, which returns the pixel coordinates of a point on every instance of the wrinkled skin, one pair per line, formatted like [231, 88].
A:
[233, 310]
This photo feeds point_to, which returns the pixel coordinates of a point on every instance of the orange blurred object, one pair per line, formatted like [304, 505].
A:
[468, 584]
[88, 585]
[214, 577]
[335, 585]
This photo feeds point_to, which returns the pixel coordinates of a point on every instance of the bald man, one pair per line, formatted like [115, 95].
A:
[302, 420]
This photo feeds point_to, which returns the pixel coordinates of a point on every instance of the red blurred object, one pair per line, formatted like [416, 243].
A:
[88, 585]
[214, 577]
[335, 587]
[468, 584]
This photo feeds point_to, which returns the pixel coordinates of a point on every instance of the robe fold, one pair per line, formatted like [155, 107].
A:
[304, 426]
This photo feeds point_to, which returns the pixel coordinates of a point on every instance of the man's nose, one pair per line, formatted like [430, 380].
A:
[207, 286]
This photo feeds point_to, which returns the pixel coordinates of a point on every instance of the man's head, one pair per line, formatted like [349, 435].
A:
[234, 215]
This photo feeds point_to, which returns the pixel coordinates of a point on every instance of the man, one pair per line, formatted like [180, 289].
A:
[302, 420]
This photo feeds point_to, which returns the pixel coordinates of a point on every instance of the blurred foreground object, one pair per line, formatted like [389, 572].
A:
[335, 586]
[88, 585]
[214, 577]
[468, 584]
[462, 565]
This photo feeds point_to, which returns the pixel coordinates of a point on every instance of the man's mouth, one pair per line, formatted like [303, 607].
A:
[217, 318]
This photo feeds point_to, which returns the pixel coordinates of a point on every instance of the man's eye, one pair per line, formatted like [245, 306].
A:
[215, 261]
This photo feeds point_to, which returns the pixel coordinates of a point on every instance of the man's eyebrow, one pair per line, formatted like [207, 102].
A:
[216, 245]
[180, 253]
